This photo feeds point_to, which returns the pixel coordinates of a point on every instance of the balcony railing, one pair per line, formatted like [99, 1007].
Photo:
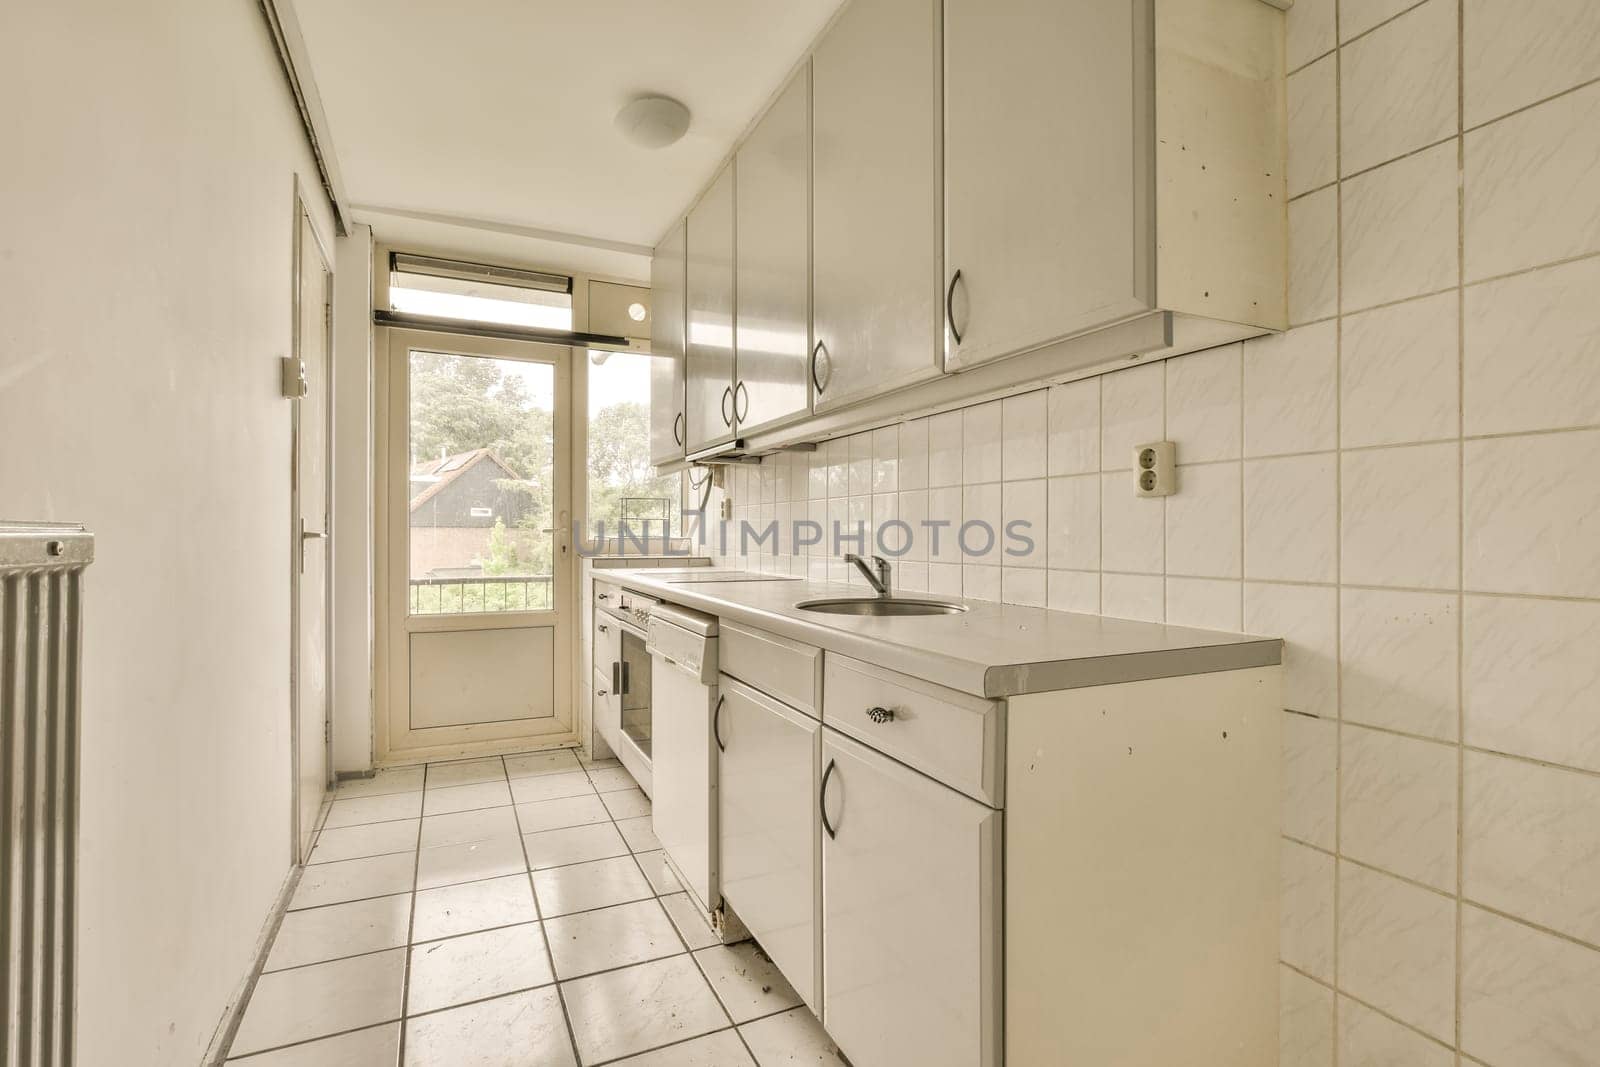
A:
[482, 593]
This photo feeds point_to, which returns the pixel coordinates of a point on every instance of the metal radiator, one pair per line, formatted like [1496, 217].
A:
[41, 627]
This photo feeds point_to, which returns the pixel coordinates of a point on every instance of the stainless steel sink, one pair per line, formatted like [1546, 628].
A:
[875, 605]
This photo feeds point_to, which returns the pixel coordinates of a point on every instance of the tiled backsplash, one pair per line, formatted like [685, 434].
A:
[1406, 486]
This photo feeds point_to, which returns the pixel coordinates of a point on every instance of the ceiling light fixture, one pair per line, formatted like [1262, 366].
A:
[653, 121]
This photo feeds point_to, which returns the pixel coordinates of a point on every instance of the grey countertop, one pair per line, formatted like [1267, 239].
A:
[990, 650]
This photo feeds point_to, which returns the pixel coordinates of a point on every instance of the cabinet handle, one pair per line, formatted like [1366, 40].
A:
[727, 395]
[822, 801]
[738, 391]
[881, 715]
[603, 628]
[622, 690]
[677, 428]
[949, 306]
[600, 692]
[819, 352]
[716, 723]
[602, 596]
[616, 676]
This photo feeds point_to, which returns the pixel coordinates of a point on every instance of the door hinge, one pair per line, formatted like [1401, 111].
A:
[327, 730]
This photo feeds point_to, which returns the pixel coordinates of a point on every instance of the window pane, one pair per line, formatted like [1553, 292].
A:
[482, 484]
[625, 495]
[454, 298]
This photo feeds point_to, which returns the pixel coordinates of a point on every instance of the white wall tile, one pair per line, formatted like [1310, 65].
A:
[838, 467]
[1531, 525]
[1531, 678]
[911, 577]
[886, 459]
[1291, 519]
[1305, 938]
[1306, 617]
[1204, 399]
[1207, 603]
[1073, 540]
[1397, 805]
[1398, 373]
[1397, 948]
[1532, 186]
[1131, 527]
[1133, 596]
[944, 578]
[1313, 130]
[1398, 87]
[1073, 591]
[1205, 522]
[1398, 660]
[1368, 1039]
[1515, 53]
[1360, 16]
[981, 526]
[887, 540]
[1530, 843]
[1073, 415]
[1415, 489]
[981, 443]
[860, 470]
[1528, 999]
[817, 473]
[1132, 413]
[1399, 228]
[1290, 391]
[1026, 587]
[1023, 436]
[1310, 793]
[1025, 503]
[913, 472]
[980, 581]
[944, 449]
[913, 511]
[1313, 256]
[1308, 31]
[944, 518]
[1532, 355]
[1305, 1021]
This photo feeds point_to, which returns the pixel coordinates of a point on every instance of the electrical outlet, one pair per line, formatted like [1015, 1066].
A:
[1155, 466]
[727, 510]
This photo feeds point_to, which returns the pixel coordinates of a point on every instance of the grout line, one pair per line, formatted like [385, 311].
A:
[1365, 1004]
[1419, 150]
[1338, 496]
[1461, 511]
[1526, 107]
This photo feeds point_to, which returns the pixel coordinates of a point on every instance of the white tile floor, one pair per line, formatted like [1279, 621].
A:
[509, 912]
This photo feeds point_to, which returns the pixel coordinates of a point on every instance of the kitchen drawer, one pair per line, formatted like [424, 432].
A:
[777, 666]
[953, 737]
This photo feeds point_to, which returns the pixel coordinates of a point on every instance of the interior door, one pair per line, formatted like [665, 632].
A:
[478, 572]
[309, 534]
[710, 405]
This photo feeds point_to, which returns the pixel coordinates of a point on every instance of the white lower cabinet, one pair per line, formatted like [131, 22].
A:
[770, 828]
[607, 709]
[910, 915]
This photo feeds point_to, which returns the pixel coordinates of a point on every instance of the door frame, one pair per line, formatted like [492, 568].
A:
[391, 550]
[302, 222]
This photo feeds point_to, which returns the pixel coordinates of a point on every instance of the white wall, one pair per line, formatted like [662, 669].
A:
[148, 188]
[1405, 486]
[352, 502]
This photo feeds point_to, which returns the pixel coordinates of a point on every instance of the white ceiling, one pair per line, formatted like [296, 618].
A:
[496, 116]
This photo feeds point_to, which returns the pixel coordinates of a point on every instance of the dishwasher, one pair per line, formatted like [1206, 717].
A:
[683, 667]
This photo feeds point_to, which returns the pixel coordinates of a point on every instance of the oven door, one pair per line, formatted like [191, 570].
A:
[631, 682]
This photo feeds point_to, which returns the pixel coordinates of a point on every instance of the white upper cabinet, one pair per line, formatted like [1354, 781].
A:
[1105, 159]
[875, 201]
[709, 407]
[772, 326]
[666, 348]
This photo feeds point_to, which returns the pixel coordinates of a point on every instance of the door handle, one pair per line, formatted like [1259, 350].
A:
[819, 352]
[716, 723]
[677, 427]
[622, 690]
[949, 305]
[727, 395]
[822, 801]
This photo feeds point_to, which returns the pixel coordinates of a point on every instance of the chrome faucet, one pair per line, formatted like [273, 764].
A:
[877, 575]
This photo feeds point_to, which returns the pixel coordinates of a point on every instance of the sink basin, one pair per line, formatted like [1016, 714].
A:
[872, 605]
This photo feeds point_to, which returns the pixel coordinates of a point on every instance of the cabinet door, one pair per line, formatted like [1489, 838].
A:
[770, 832]
[875, 200]
[910, 915]
[607, 708]
[709, 338]
[772, 326]
[666, 346]
[1044, 215]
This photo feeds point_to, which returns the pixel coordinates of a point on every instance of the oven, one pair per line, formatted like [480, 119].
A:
[625, 722]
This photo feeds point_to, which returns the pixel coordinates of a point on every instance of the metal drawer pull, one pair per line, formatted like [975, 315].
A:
[727, 395]
[677, 432]
[818, 353]
[600, 693]
[949, 306]
[602, 596]
[716, 723]
[881, 715]
[738, 391]
[822, 801]
[603, 628]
